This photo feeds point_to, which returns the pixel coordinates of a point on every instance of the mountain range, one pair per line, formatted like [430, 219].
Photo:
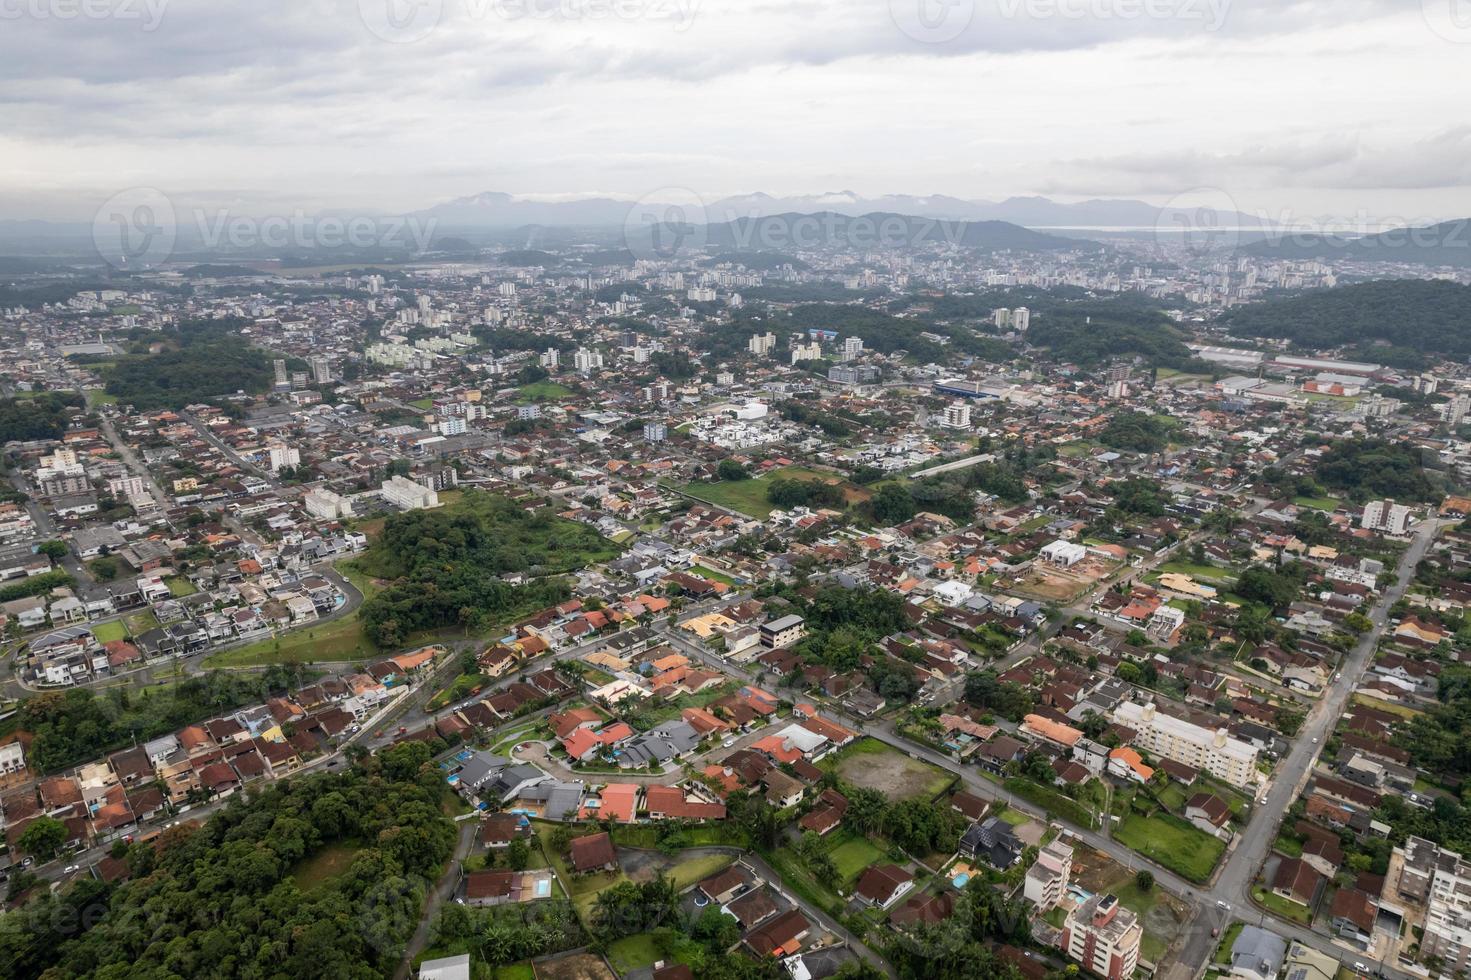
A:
[493, 209]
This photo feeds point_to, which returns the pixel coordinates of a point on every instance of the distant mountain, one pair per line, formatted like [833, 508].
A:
[1448, 244]
[497, 210]
[798, 230]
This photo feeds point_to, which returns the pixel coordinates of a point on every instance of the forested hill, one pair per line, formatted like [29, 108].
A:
[1448, 243]
[1430, 317]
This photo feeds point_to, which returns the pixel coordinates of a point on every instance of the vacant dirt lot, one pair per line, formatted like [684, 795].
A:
[583, 966]
[873, 765]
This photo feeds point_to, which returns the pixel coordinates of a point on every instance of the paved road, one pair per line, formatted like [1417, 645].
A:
[228, 451]
[135, 465]
[437, 896]
[1233, 882]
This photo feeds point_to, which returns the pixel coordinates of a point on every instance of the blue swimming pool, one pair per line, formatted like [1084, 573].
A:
[959, 880]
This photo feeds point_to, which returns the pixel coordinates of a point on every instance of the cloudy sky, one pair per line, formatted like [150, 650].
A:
[1287, 107]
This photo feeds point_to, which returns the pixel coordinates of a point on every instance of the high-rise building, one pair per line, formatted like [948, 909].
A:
[1386, 516]
[1047, 879]
[1103, 937]
[282, 456]
[1440, 880]
[957, 415]
[761, 344]
[321, 369]
[1456, 408]
[852, 348]
[1021, 319]
[806, 352]
[655, 432]
[550, 359]
[283, 379]
[586, 361]
[1001, 318]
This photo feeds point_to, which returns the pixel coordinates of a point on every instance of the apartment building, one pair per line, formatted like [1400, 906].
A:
[1216, 752]
[1103, 937]
[1047, 879]
[1441, 879]
[403, 492]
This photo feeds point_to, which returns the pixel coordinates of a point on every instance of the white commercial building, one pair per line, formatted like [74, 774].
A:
[327, 505]
[1386, 516]
[1216, 752]
[957, 415]
[405, 493]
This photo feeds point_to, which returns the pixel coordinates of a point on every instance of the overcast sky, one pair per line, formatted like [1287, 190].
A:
[1301, 107]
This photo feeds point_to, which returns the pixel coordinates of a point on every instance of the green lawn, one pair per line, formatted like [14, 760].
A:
[338, 641]
[1278, 905]
[711, 574]
[1228, 939]
[1317, 503]
[109, 631]
[328, 863]
[97, 396]
[701, 835]
[424, 403]
[854, 856]
[180, 586]
[694, 869]
[1179, 846]
[543, 391]
[1206, 573]
[633, 953]
[749, 496]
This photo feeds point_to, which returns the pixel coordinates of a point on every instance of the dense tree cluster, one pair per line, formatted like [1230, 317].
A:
[220, 900]
[1369, 468]
[805, 493]
[445, 565]
[71, 727]
[1010, 701]
[1424, 316]
[206, 358]
[1138, 432]
[41, 417]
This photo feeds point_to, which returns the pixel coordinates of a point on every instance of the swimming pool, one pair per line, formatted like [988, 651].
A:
[959, 880]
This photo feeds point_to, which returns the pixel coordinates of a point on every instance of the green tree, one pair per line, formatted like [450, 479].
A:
[43, 839]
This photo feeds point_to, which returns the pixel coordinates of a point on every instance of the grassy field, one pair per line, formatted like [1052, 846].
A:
[694, 869]
[424, 403]
[1184, 849]
[328, 863]
[711, 574]
[97, 397]
[543, 391]
[1278, 905]
[1317, 503]
[1205, 573]
[871, 764]
[647, 835]
[338, 641]
[855, 855]
[749, 496]
[180, 586]
[109, 631]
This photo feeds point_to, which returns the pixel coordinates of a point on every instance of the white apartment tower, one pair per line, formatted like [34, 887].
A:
[957, 415]
[550, 359]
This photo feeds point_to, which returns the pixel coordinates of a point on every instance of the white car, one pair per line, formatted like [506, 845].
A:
[728, 742]
[1224, 905]
[72, 869]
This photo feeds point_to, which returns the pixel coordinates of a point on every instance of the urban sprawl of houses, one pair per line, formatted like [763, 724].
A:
[1126, 645]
